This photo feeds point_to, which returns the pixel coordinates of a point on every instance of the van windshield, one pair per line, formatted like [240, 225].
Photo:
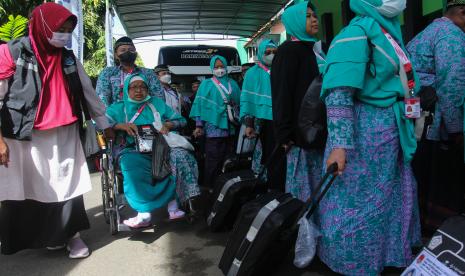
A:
[196, 55]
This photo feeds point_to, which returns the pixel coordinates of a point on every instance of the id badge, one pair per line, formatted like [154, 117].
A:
[144, 145]
[412, 108]
[145, 138]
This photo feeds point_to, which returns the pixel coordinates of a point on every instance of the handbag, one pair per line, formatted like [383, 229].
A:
[90, 139]
[161, 167]
[312, 116]
[232, 110]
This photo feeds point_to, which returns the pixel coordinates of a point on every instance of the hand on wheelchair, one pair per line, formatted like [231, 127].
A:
[130, 129]
[109, 134]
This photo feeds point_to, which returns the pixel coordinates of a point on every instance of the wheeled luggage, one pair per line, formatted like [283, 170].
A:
[445, 253]
[242, 159]
[232, 191]
[266, 230]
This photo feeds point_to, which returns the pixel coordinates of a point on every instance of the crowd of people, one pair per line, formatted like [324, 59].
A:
[401, 164]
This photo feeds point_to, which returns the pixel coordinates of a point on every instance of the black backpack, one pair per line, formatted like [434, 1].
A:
[312, 124]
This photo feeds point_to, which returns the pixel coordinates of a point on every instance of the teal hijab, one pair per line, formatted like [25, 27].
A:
[256, 89]
[377, 83]
[294, 19]
[122, 112]
[391, 25]
[208, 103]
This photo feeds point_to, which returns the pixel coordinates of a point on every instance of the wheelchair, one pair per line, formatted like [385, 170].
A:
[113, 200]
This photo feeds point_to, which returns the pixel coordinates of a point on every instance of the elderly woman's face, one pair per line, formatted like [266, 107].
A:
[138, 90]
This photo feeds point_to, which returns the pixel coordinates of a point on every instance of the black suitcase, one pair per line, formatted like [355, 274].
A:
[232, 191]
[239, 161]
[266, 230]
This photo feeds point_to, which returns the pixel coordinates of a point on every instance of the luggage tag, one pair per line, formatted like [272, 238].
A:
[412, 108]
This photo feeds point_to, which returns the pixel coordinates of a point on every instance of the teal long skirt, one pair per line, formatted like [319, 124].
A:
[141, 194]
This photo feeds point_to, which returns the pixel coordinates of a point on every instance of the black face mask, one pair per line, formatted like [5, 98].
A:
[128, 57]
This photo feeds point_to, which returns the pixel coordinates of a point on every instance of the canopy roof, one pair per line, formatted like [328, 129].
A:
[142, 18]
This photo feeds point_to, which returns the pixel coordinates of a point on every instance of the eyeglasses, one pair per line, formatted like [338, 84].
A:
[269, 52]
[138, 88]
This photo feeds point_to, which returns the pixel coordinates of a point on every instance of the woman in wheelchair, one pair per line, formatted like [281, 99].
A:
[138, 111]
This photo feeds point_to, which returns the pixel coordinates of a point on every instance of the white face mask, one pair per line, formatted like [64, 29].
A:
[390, 8]
[166, 78]
[268, 60]
[219, 72]
[60, 40]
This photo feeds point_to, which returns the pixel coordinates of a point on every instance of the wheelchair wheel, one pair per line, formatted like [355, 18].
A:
[105, 204]
[113, 222]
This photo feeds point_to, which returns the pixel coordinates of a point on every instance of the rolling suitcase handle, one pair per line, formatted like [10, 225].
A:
[317, 196]
[244, 137]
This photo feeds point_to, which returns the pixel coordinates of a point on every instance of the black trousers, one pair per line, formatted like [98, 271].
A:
[277, 167]
[216, 152]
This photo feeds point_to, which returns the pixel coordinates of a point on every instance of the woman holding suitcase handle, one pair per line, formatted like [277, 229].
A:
[370, 219]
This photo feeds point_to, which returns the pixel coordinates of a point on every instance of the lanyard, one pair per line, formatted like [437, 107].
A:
[404, 60]
[139, 111]
[293, 38]
[264, 67]
[228, 91]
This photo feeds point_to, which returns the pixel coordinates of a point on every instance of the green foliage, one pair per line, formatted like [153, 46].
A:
[94, 33]
[14, 28]
[139, 61]
[18, 7]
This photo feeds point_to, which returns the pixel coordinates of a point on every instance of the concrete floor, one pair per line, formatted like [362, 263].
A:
[170, 249]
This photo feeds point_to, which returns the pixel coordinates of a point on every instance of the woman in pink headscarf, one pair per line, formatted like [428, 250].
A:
[43, 93]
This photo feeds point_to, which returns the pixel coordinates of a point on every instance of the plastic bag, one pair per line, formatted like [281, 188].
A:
[90, 139]
[244, 144]
[307, 239]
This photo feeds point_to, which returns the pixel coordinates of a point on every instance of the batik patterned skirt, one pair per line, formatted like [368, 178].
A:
[369, 219]
[186, 174]
[304, 169]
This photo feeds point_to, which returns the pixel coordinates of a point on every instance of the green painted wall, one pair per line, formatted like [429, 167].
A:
[330, 6]
[430, 6]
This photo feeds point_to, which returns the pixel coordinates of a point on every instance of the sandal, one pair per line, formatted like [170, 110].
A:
[135, 224]
[177, 214]
[77, 249]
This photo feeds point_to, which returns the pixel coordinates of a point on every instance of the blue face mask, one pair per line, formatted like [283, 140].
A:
[137, 102]
[390, 8]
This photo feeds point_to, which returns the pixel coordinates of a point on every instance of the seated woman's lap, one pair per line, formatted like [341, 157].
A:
[142, 196]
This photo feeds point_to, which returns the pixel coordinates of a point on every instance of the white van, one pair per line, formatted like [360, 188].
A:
[191, 62]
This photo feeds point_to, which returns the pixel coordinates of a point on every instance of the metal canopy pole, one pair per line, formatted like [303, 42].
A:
[109, 33]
